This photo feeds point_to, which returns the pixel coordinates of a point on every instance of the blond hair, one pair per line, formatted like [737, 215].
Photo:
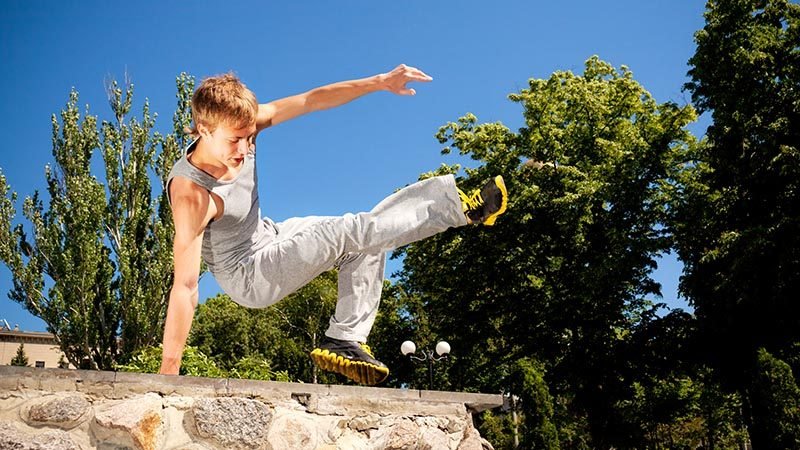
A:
[223, 99]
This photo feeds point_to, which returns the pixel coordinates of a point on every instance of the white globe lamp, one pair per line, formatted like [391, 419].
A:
[407, 348]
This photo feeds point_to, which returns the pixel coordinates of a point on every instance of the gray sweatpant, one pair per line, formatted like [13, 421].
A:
[303, 248]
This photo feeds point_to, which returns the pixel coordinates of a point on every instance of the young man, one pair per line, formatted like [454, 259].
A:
[214, 196]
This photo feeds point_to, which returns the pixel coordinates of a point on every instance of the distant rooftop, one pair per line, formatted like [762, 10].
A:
[4, 326]
[6, 330]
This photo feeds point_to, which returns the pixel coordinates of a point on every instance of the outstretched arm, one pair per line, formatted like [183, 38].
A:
[337, 94]
[192, 209]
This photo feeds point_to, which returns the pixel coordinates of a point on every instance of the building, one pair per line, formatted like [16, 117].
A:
[40, 348]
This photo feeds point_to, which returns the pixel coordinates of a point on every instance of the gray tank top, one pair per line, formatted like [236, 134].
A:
[240, 231]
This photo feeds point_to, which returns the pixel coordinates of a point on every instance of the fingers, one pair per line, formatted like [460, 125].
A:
[418, 75]
[403, 74]
[412, 73]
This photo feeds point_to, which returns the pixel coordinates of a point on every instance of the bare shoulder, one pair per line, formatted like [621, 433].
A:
[185, 192]
[191, 204]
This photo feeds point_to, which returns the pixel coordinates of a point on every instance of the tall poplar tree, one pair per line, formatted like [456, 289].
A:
[96, 264]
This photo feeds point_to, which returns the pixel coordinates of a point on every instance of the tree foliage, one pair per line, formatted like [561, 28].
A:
[20, 358]
[197, 364]
[282, 334]
[227, 332]
[193, 363]
[285, 333]
[95, 264]
[737, 216]
[555, 304]
[527, 379]
[776, 403]
[564, 275]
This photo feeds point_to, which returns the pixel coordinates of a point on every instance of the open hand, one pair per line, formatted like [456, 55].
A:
[395, 81]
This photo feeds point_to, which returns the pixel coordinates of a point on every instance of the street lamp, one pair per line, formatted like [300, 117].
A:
[408, 348]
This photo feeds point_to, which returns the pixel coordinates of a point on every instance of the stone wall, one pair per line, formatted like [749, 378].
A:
[76, 409]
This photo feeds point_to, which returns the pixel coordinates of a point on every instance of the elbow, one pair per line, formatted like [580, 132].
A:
[186, 291]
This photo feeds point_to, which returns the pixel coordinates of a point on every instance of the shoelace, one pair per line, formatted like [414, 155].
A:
[473, 201]
[367, 349]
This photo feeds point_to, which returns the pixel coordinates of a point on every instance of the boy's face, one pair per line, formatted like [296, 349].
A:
[229, 145]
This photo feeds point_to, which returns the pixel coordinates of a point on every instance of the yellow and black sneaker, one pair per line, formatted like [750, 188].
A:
[351, 359]
[485, 204]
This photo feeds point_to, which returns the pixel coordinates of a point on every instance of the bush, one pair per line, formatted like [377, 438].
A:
[197, 364]
[255, 368]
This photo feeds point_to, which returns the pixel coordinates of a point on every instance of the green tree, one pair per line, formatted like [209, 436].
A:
[565, 273]
[232, 335]
[303, 318]
[776, 403]
[527, 379]
[736, 217]
[403, 317]
[498, 429]
[675, 399]
[20, 359]
[723, 424]
[228, 332]
[138, 224]
[282, 334]
[658, 405]
[95, 265]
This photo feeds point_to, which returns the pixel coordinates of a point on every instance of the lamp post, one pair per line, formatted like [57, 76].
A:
[408, 348]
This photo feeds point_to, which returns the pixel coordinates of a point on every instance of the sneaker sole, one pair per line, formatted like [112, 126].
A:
[359, 371]
[498, 180]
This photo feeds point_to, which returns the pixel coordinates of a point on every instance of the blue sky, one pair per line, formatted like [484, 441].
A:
[341, 160]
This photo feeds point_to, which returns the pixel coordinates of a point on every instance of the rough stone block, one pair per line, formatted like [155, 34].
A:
[447, 424]
[232, 422]
[64, 411]
[135, 422]
[147, 411]
[364, 423]
[13, 438]
[335, 427]
[403, 435]
[352, 441]
[473, 441]
[292, 431]
[433, 439]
